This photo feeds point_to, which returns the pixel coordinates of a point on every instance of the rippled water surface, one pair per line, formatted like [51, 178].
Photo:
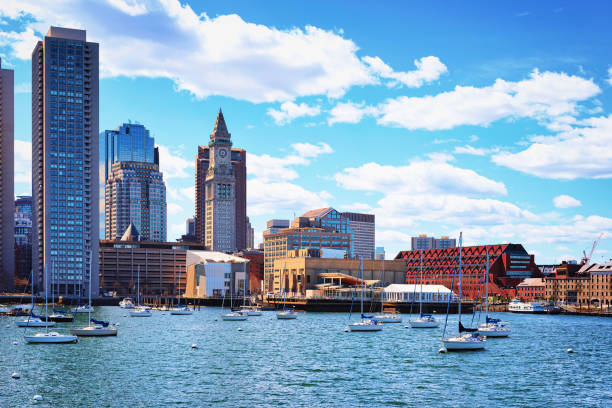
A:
[310, 362]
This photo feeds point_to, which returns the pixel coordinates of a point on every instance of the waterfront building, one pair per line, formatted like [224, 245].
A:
[7, 204]
[412, 293]
[423, 242]
[162, 265]
[23, 249]
[531, 289]
[274, 226]
[380, 253]
[135, 193]
[256, 268]
[306, 273]
[509, 265]
[599, 293]
[65, 182]
[210, 273]
[220, 191]
[582, 285]
[129, 142]
[364, 230]
[317, 229]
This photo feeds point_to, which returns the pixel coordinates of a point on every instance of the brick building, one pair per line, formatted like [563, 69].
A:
[531, 289]
[256, 268]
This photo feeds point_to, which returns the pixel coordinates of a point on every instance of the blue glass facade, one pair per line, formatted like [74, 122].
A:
[129, 142]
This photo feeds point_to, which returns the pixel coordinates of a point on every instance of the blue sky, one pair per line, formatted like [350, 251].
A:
[491, 119]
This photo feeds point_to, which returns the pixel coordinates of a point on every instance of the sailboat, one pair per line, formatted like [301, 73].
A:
[367, 324]
[140, 311]
[58, 315]
[492, 327]
[232, 316]
[49, 337]
[98, 328]
[468, 338]
[285, 314]
[180, 310]
[386, 317]
[425, 321]
[34, 320]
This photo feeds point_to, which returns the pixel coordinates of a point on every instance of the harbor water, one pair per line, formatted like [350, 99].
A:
[307, 362]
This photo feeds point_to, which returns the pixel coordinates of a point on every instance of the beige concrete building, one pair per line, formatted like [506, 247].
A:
[303, 273]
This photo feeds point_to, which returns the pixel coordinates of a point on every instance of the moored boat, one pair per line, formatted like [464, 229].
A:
[50, 337]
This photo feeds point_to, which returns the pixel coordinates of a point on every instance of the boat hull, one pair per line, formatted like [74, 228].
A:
[388, 319]
[140, 314]
[61, 319]
[494, 333]
[234, 318]
[50, 338]
[356, 327]
[35, 324]
[94, 332]
[181, 312]
[460, 344]
[286, 316]
[424, 324]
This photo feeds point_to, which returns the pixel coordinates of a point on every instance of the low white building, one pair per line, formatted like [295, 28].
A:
[412, 293]
[210, 273]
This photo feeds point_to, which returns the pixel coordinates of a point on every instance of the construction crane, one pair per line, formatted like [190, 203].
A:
[586, 259]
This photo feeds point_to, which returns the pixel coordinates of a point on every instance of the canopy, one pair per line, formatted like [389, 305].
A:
[102, 322]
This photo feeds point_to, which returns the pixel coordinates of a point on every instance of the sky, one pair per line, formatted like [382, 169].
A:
[490, 118]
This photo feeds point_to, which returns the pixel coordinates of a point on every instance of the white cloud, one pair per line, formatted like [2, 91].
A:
[476, 151]
[274, 197]
[173, 165]
[174, 208]
[23, 161]
[130, 7]
[350, 112]
[290, 111]
[267, 168]
[609, 80]
[428, 69]
[25, 87]
[565, 201]
[581, 152]
[542, 96]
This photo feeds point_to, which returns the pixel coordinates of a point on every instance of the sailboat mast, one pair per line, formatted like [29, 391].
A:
[138, 286]
[179, 288]
[383, 287]
[362, 283]
[487, 284]
[421, 294]
[89, 284]
[46, 303]
[460, 246]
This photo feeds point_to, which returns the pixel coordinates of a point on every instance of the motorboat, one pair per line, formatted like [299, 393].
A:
[251, 310]
[50, 337]
[286, 314]
[494, 328]
[126, 303]
[425, 321]
[35, 322]
[234, 316]
[466, 341]
[516, 306]
[388, 318]
[83, 309]
[141, 312]
[181, 310]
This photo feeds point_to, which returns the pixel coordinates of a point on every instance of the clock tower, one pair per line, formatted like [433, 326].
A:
[220, 191]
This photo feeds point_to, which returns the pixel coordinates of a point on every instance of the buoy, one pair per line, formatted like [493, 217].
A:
[215, 319]
[406, 327]
[8, 326]
[15, 343]
[116, 324]
[442, 350]
[16, 375]
[570, 350]
[346, 329]
[239, 329]
[194, 346]
[38, 397]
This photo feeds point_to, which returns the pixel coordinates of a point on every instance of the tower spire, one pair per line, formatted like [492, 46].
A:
[220, 132]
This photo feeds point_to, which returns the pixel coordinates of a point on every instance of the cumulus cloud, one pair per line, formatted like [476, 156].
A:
[428, 69]
[609, 80]
[174, 208]
[290, 111]
[581, 152]
[350, 112]
[565, 201]
[23, 161]
[173, 164]
[475, 151]
[273, 197]
[544, 95]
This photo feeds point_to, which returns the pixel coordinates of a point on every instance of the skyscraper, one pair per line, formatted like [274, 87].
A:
[364, 230]
[65, 161]
[135, 194]
[234, 160]
[7, 210]
[129, 142]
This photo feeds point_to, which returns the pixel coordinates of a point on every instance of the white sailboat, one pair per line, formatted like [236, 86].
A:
[492, 327]
[285, 314]
[367, 324]
[232, 316]
[180, 310]
[98, 328]
[32, 320]
[386, 317]
[425, 321]
[49, 337]
[140, 311]
[467, 339]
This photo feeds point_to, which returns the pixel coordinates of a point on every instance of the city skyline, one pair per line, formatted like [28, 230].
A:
[494, 134]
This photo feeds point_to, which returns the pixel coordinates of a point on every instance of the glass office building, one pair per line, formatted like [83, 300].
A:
[129, 142]
[65, 162]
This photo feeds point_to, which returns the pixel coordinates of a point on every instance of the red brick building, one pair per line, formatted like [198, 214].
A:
[256, 268]
[509, 265]
[531, 289]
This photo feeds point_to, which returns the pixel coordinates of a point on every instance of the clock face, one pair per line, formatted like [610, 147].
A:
[222, 153]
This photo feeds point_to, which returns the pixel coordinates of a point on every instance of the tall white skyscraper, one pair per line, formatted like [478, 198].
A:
[65, 159]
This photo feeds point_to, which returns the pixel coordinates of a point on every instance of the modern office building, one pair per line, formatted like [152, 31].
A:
[23, 204]
[7, 203]
[221, 192]
[380, 253]
[23, 246]
[423, 242]
[250, 238]
[129, 142]
[65, 161]
[274, 226]
[509, 264]
[135, 193]
[215, 274]
[190, 226]
[364, 234]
